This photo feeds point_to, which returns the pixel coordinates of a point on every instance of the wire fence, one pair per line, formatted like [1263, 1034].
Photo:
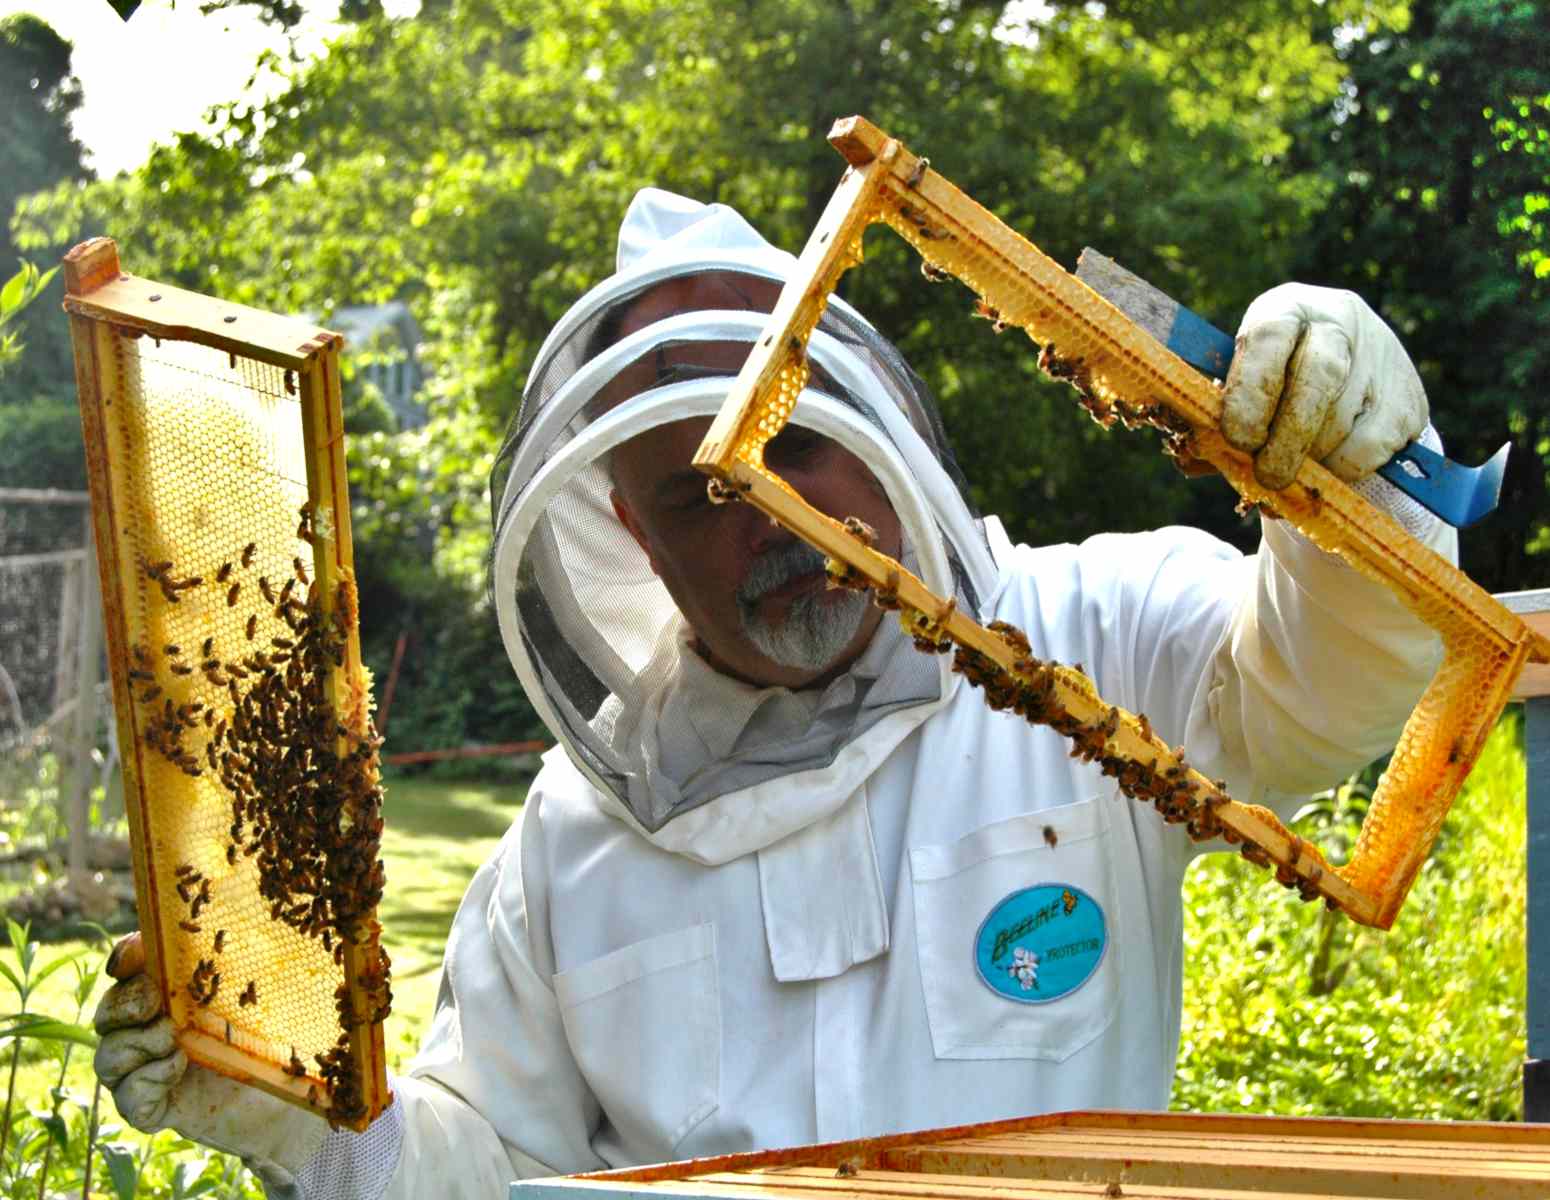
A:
[57, 741]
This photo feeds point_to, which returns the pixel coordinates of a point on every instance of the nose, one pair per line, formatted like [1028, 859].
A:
[755, 531]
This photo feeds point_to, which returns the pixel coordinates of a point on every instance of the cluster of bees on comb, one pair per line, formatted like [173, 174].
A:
[305, 802]
[1028, 689]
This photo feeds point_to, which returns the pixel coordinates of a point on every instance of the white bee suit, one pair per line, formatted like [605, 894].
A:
[839, 934]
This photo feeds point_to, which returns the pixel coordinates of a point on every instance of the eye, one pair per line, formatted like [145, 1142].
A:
[794, 446]
[689, 500]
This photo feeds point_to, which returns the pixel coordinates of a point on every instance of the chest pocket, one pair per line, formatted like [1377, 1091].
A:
[1043, 882]
[644, 1024]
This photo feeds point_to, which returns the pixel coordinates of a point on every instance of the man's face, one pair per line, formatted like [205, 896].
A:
[754, 595]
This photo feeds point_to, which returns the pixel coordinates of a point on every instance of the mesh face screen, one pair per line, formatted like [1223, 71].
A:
[242, 705]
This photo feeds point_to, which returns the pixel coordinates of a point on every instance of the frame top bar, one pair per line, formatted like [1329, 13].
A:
[96, 288]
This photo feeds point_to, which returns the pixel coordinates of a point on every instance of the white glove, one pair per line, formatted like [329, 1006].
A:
[1317, 373]
[155, 1087]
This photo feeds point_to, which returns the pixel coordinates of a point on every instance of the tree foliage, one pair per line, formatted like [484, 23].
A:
[1438, 159]
[38, 95]
[475, 160]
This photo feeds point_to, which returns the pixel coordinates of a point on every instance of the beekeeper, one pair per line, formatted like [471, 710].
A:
[786, 879]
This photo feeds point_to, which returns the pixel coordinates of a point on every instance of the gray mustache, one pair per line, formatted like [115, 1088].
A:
[777, 567]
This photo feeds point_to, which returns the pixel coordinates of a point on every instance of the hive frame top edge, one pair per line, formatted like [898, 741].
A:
[96, 288]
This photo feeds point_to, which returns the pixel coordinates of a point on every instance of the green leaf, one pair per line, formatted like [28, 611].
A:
[48, 1029]
[122, 1169]
[11, 294]
[53, 965]
[15, 982]
[57, 1129]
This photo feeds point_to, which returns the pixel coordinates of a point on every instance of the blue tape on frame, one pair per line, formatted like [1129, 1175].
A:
[1201, 344]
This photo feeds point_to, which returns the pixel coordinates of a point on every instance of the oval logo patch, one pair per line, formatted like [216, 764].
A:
[1041, 943]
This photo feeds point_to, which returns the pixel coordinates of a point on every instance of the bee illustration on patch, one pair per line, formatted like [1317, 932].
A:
[1068, 899]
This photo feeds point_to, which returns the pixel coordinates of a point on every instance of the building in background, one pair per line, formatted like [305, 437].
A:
[382, 341]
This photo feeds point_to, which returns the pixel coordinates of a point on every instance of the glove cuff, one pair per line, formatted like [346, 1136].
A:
[1417, 521]
[354, 1166]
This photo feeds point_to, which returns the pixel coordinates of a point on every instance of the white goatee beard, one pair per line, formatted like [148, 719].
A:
[817, 626]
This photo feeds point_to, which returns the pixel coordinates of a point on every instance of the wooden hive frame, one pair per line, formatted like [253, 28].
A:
[110, 311]
[1104, 1155]
[1123, 373]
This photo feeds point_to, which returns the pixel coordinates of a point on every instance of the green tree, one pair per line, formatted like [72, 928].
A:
[475, 160]
[1438, 154]
[38, 96]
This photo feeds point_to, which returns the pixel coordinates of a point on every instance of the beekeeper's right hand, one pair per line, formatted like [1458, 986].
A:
[156, 1087]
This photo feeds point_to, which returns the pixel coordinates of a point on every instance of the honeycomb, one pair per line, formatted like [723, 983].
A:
[249, 759]
[1122, 374]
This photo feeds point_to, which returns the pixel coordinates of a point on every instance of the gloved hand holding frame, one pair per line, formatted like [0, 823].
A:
[1123, 372]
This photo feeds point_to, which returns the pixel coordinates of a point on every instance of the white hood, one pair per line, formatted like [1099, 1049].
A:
[595, 638]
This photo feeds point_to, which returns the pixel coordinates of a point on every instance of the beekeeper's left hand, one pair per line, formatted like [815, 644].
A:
[1318, 373]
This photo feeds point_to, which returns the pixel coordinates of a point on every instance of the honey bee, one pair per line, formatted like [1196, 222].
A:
[232, 593]
[172, 650]
[301, 572]
[182, 669]
[231, 855]
[225, 571]
[295, 1067]
[188, 926]
[252, 626]
[220, 940]
[1051, 838]
[247, 554]
[861, 531]
[263, 586]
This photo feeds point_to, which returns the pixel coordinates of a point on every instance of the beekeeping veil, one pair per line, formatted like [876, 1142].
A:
[598, 644]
